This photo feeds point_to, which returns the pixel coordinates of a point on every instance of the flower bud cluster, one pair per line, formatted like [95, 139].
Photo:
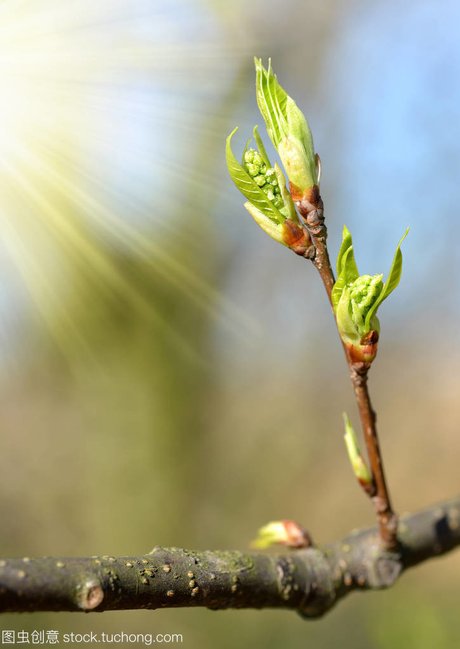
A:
[356, 299]
[263, 176]
[364, 291]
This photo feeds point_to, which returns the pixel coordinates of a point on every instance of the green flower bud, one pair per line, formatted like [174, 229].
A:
[356, 298]
[362, 294]
[269, 202]
[289, 132]
[358, 464]
[263, 177]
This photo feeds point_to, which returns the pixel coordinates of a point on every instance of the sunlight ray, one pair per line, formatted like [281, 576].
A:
[92, 117]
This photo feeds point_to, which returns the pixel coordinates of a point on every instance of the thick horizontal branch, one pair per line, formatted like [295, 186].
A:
[309, 581]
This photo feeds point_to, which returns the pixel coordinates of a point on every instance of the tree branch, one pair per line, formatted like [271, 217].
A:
[310, 581]
[387, 519]
[312, 214]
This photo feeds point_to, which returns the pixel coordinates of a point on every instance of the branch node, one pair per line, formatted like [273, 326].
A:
[388, 568]
[90, 595]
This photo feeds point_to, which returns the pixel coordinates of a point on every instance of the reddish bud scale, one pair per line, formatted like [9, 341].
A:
[296, 536]
[295, 237]
[366, 351]
[368, 487]
[310, 195]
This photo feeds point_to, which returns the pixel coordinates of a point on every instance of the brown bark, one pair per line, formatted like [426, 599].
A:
[313, 218]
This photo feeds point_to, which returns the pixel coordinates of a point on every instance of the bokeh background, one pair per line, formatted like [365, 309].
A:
[171, 376]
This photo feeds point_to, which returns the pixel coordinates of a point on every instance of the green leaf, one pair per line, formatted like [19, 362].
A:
[344, 317]
[346, 243]
[341, 282]
[289, 208]
[287, 127]
[260, 146]
[271, 99]
[248, 187]
[357, 462]
[392, 281]
[347, 271]
[349, 267]
[274, 230]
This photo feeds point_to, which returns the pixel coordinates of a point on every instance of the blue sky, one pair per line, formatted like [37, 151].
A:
[385, 118]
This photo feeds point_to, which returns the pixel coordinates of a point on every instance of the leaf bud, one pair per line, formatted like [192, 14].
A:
[285, 532]
[356, 298]
[289, 131]
[358, 464]
[269, 202]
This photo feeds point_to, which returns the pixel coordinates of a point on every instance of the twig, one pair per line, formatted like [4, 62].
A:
[308, 581]
[313, 218]
[387, 519]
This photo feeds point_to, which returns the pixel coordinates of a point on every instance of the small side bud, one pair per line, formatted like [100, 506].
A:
[357, 462]
[285, 532]
[354, 304]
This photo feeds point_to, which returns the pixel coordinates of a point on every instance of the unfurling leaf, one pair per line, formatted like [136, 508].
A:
[269, 202]
[289, 132]
[249, 187]
[393, 278]
[347, 270]
[356, 298]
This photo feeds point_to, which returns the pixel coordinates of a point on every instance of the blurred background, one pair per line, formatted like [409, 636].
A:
[171, 376]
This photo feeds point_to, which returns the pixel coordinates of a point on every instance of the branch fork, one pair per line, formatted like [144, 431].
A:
[310, 581]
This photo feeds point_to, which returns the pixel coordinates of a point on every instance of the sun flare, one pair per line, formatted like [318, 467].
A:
[88, 107]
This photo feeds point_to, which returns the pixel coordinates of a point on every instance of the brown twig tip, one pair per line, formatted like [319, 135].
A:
[90, 595]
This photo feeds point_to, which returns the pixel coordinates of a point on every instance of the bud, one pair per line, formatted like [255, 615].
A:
[358, 464]
[356, 298]
[283, 532]
[264, 177]
[289, 132]
[269, 202]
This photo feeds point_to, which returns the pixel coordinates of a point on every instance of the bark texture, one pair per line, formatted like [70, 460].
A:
[310, 581]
